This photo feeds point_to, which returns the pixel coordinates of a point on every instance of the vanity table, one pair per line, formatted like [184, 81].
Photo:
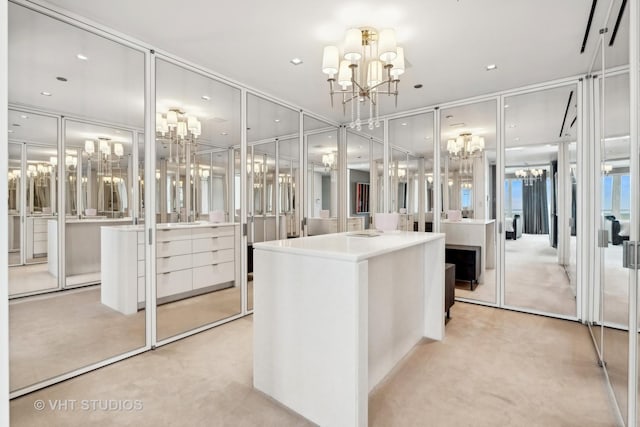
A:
[333, 314]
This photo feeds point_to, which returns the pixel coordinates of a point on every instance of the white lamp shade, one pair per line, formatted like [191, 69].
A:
[198, 130]
[398, 64]
[164, 126]
[387, 45]
[353, 45]
[330, 60]
[89, 147]
[192, 123]
[374, 74]
[118, 150]
[182, 129]
[344, 76]
[53, 161]
[105, 148]
[158, 122]
[172, 118]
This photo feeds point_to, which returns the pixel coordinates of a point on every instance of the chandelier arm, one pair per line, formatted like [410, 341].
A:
[349, 99]
[331, 91]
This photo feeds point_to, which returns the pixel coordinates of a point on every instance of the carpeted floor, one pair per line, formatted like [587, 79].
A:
[494, 368]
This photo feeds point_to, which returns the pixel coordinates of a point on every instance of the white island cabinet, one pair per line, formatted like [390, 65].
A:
[191, 259]
[333, 314]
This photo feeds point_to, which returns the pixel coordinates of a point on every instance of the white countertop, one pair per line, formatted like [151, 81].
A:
[347, 246]
[171, 226]
[469, 221]
[97, 220]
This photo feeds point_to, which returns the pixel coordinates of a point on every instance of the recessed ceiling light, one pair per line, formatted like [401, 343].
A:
[296, 61]
[506, 105]
[427, 137]
[512, 126]
[516, 139]
[418, 86]
[491, 67]
[45, 93]
[449, 116]
[82, 57]
[206, 97]
[61, 79]
[24, 116]
[330, 136]
[10, 131]
[277, 120]
[403, 123]
[224, 133]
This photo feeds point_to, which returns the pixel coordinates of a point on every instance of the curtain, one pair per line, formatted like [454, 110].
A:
[534, 206]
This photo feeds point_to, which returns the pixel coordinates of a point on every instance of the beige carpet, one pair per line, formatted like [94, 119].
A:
[30, 278]
[533, 277]
[494, 368]
[57, 333]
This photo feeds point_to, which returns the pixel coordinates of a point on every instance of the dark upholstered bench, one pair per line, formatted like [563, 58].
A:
[449, 287]
[467, 261]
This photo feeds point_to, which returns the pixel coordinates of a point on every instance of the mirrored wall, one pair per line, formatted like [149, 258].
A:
[197, 229]
[73, 118]
[468, 148]
[540, 199]
[323, 155]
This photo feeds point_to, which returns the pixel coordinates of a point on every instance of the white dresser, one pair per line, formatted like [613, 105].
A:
[190, 260]
[36, 236]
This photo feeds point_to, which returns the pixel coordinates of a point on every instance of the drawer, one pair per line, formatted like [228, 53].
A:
[210, 275]
[40, 237]
[174, 282]
[168, 235]
[141, 268]
[213, 231]
[173, 263]
[40, 247]
[141, 294]
[39, 227]
[140, 252]
[213, 257]
[140, 237]
[212, 244]
[174, 247]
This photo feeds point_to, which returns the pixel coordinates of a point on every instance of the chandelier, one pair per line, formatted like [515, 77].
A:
[529, 176]
[178, 129]
[105, 157]
[465, 148]
[371, 65]
[329, 161]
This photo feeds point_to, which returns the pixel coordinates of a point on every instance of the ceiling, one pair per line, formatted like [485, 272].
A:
[448, 44]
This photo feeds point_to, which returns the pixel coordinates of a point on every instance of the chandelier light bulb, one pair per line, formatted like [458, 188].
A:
[182, 130]
[105, 148]
[118, 150]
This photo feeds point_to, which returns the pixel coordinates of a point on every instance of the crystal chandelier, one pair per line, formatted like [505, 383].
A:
[465, 148]
[107, 155]
[529, 176]
[178, 129]
[329, 161]
[371, 66]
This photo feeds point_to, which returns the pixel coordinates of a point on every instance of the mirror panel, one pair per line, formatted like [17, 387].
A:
[468, 158]
[540, 193]
[198, 239]
[55, 333]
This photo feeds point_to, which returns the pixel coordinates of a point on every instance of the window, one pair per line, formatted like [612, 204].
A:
[607, 194]
[513, 196]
